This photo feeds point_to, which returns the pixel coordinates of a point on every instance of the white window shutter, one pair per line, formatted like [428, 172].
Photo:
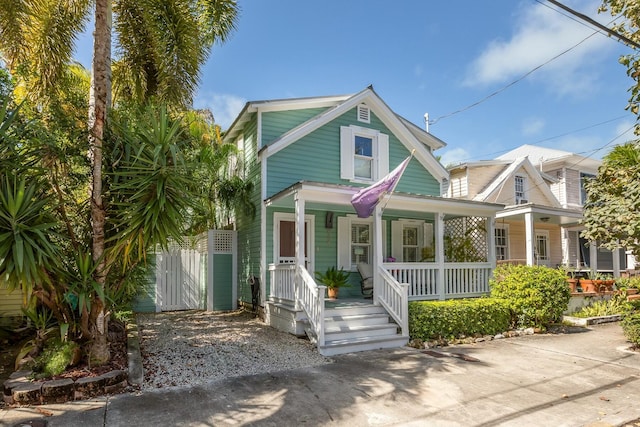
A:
[383, 155]
[344, 243]
[347, 151]
[396, 240]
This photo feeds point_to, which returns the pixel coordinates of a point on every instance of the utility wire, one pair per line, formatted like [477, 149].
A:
[596, 24]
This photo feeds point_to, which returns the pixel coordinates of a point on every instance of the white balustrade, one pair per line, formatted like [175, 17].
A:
[282, 281]
[394, 297]
[310, 297]
[461, 279]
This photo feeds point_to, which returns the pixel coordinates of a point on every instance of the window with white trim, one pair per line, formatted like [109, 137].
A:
[502, 242]
[411, 240]
[410, 248]
[584, 178]
[542, 247]
[360, 243]
[520, 188]
[364, 154]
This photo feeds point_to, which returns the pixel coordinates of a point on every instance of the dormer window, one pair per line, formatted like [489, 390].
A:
[520, 189]
[364, 114]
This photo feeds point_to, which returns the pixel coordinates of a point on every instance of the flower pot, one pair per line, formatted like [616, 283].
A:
[333, 293]
[573, 283]
[588, 285]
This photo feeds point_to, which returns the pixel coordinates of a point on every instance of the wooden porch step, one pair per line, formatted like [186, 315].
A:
[335, 347]
[333, 333]
[356, 320]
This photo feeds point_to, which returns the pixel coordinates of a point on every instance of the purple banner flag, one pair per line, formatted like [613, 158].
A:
[365, 200]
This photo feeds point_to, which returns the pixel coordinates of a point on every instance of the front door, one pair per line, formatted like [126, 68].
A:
[285, 240]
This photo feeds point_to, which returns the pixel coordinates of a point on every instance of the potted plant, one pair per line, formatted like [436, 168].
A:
[589, 284]
[572, 280]
[333, 279]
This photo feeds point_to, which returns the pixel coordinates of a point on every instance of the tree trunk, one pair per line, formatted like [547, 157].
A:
[99, 100]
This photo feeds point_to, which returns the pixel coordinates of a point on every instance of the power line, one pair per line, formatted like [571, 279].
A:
[596, 24]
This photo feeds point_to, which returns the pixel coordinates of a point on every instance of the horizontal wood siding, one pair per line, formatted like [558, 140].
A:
[316, 157]
[222, 283]
[276, 123]
[249, 228]
[458, 187]
[557, 188]
[10, 302]
[480, 177]
[533, 192]
[517, 241]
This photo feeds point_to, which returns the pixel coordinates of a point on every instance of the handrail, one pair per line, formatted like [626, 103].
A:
[282, 281]
[394, 297]
[310, 296]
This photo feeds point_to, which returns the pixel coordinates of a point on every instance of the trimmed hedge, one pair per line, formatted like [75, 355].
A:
[536, 295]
[631, 327]
[451, 319]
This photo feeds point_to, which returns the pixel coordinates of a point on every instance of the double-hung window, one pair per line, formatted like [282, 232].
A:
[502, 243]
[520, 189]
[364, 154]
[360, 243]
[363, 166]
[410, 248]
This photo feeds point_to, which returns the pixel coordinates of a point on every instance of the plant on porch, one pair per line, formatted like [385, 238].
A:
[333, 279]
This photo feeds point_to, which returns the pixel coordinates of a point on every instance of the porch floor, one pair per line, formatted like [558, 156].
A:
[348, 302]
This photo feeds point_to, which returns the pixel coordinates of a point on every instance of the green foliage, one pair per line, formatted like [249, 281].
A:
[333, 278]
[450, 319]
[612, 210]
[631, 327]
[628, 282]
[26, 228]
[616, 305]
[55, 358]
[536, 295]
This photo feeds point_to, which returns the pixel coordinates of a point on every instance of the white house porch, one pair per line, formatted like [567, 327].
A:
[297, 303]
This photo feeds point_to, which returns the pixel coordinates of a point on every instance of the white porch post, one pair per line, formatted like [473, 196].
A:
[616, 261]
[300, 244]
[593, 257]
[442, 291]
[529, 237]
[377, 251]
[491, 240]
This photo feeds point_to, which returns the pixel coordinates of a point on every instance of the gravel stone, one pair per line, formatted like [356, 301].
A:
[196, 347]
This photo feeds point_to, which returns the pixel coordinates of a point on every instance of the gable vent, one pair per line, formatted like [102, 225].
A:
[364, 114]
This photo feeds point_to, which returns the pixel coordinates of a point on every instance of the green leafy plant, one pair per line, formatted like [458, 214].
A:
[536, 295]
[450, 319]
[55, 358]
[333, 278]
[631, 327]
[615, 305]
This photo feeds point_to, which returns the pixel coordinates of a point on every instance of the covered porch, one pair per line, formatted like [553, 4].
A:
[419, 248]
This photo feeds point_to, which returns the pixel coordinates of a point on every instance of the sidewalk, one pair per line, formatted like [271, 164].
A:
[580, 379]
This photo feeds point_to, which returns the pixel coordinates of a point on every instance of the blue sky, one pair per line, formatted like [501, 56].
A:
[434, 57]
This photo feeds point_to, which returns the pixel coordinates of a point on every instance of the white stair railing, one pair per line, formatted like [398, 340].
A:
[310, 298]
[283, 281]
[394, 297]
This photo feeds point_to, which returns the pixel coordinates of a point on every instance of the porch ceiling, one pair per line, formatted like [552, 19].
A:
[338, 198]
[542, 214]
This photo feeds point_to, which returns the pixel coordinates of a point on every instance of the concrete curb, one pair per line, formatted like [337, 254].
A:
[586, 321]
[136, 372]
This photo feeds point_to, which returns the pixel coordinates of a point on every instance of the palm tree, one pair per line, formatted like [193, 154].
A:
[162, 46]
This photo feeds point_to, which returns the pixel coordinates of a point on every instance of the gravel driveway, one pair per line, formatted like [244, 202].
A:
[196, 347]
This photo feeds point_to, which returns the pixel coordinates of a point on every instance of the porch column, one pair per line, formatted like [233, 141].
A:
[616, 261]
[300, 244]
[529, 238]
[491, 241]
[377, 251]
[439, 231]
[593, 256]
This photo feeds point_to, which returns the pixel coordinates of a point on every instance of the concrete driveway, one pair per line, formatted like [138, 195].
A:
[579, 379]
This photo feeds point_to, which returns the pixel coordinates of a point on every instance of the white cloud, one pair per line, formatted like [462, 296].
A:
[225, 107]
[455, 156]
[532, 126]
[539, 35]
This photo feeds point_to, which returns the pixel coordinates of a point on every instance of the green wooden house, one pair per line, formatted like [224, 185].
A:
[307, 157]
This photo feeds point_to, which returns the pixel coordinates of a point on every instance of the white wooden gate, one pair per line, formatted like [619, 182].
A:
[181, 279]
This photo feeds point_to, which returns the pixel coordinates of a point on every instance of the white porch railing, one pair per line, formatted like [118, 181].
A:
[394, 297]
[310, 298]
[461, 280]
[283, 281]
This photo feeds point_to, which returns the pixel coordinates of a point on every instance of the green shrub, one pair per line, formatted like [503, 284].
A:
[450, 319]
[631, 327]
[55, 358]
[536, 295]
